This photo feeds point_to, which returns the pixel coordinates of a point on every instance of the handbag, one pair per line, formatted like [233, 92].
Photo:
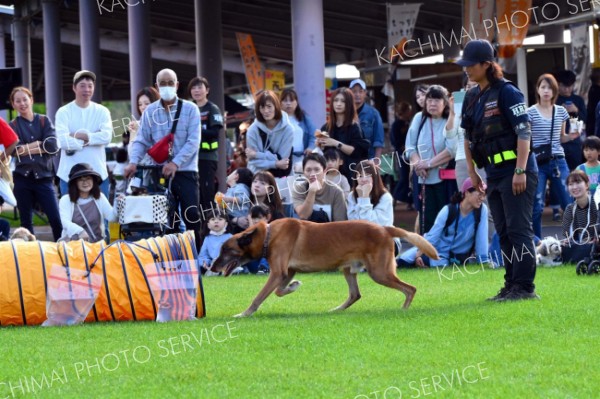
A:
[276, 172]
[162, 150]
[447, 174]
[150, 209]
[543, 153]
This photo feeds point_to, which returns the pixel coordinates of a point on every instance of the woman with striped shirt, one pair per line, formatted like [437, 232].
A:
[548, 122]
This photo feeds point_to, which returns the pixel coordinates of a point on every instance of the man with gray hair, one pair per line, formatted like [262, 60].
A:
[182, 118]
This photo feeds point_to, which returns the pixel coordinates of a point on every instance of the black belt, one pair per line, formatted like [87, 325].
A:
[557, 157]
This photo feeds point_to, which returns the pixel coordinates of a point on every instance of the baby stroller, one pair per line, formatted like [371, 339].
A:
[590, 265]
[144, 213]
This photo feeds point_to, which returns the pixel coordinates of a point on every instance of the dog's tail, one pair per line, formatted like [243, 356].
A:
[415, 240]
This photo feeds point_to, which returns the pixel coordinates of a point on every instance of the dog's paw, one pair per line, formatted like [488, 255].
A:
[245, 313]
[294, 285]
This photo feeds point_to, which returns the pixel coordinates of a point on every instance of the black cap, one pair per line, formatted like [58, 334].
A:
[81, 170]
[476, 51]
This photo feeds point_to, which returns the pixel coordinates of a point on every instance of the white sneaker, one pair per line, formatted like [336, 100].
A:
[210, 273]
[237, 270]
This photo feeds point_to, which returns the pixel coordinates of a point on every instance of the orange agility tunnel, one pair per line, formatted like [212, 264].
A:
[125, 293]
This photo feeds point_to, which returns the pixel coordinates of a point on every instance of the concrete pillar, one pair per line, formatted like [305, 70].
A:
[309, 57]
[22, 44]
[52, 51]
[90, 43]
[553, 33]
[209, 63]
[140, 54]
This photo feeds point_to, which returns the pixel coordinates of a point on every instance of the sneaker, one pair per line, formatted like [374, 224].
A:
[237, 270]
[262, 270]
[210, 273]
[517, 294]
[501, 294]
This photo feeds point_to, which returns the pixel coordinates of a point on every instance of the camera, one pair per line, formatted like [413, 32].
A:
[555, 172]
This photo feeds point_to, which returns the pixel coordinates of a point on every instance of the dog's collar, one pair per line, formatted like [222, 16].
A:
[266, 243]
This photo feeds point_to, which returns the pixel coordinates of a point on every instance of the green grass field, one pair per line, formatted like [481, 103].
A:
[10, 216]
[451, 343]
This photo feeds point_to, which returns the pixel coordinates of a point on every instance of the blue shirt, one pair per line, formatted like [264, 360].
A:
[371, 126]
[241, 192]
[459, 239]
[211, 247]
[157, 122]
[512, 105]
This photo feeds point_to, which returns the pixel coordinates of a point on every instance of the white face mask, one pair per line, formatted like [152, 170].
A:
[167, 93]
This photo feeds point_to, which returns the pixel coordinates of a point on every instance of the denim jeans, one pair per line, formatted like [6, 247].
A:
[28, 191]
[512, 218]
[559, 184]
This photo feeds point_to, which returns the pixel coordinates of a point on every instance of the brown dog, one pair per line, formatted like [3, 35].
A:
[292, 245]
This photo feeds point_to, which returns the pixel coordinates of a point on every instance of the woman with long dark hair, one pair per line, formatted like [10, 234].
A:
[344, 131]
[497, 137]
[143, 98]
[304, 138]
[369, 200]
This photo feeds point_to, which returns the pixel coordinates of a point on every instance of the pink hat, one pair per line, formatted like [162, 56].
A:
[469, 184]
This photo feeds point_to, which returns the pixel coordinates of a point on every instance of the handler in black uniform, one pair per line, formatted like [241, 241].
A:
[498, 135]
[212, 124]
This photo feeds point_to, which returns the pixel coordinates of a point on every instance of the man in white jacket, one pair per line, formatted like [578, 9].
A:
[83, 129]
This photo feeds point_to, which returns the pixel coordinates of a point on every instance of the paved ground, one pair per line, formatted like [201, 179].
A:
[402, 218]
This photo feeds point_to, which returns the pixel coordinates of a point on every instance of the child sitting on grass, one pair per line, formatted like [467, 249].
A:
[237, 198]
[216, 233]
[334, 159]
[591, 167]
[259, 213]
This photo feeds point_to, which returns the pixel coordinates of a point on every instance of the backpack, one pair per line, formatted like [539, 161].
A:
[453, 215]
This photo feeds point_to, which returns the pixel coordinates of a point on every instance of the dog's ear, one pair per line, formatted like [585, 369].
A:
[246, 239]
[543, 250]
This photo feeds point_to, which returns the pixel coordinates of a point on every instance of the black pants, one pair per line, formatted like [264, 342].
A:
[207, 171]
[402, 189]
[185, 190]
[4, 230]
[435, 199]
[573, 153]
[28, 191]
[512, 216]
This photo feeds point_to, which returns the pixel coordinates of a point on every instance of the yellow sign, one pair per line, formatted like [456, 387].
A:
[254, 72]
[274, 80]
